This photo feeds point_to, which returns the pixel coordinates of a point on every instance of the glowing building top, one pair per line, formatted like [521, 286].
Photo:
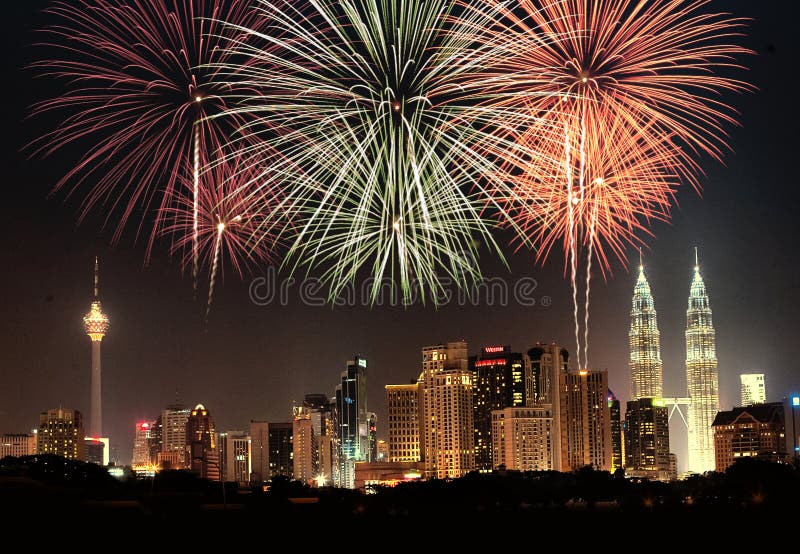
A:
[702, 378]
[645, 343]
[96, 322]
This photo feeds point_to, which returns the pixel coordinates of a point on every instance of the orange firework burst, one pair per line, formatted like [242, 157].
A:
[633, 88]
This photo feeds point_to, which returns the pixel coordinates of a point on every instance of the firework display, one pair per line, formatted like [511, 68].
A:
[633, 87]
[387, 139]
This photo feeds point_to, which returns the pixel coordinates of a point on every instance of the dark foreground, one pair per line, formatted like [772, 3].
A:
[753, 503]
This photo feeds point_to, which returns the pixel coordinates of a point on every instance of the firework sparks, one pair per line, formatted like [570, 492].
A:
[390, 111]
[139, 87]
[637, 86]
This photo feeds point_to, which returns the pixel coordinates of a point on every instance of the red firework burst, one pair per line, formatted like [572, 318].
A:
[140, 84]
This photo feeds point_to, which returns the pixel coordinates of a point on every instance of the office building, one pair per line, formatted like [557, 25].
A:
[201, 443]
[585, 428]
[702, 378]
[522, 438]
[617, 448]
[61, 433]
[647, 439]
[259, 451]
[645, 343]
[543, 363]
[351, 408]
[447, 430]
[237, 457]
[755, 431]
[402, 403]
[142, 455]
[498, 377]
[281, 455]
[17, 444]
[754, 389]
[304, 446]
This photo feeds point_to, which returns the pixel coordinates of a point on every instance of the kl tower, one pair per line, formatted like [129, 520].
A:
[96, 324]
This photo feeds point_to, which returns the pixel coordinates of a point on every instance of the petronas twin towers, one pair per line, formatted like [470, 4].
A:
[702, 377]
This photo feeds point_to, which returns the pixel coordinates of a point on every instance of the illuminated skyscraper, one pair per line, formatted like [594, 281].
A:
[402, 403]
[304, 445]
[142, 456]
[173, 437]
[523, 438]
[201, 442]
[645, 343]
[543, 364]
[647, 439]
[702, 379]
[237, 457]
[753, 389]
[61, 433]
[617, 450]
[499, 382]
[447, 433]
[585, 428]
[351, 407]
[96, 324]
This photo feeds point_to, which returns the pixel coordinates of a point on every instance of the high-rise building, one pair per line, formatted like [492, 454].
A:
[61, 433]
[402, 403]
[17, 444]
[281, 454]
[617, 448]
[351, 406]
[173, 436]
[304, 445]
[383, 451]
[702, 379]
[647, 439]
[791, 415]
[201, 442]
[447, 431]
[522, 438]
[96, 450]
[259, 451]
[754, 390]
[498, 377]
[585, 428]
[321, 410]
[237, 456]
[372, 437]
[645, 343]
[755, 431]
[543, 363]
[142, 455]
[96, 324]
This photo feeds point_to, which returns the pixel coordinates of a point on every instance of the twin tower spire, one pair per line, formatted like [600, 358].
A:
[702, 377]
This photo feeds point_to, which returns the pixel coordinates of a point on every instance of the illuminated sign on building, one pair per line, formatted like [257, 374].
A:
[493, 349]
[482, 363]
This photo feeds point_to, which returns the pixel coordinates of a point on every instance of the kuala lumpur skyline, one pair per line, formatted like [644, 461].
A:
[142, 366]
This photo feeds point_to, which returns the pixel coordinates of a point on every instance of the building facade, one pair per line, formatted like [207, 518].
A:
[522, 438]
[61, 433]
[447, 431]
[543, 364]
[237, 457]
[304, 446]
[351, 407]
[402, 406]
[498, 377]
[617, 444]
[585, 429]
[259, 451]
[201, 444]
[702, 378]
[173, 436]
[644, 341]
[754, 390]
[281, 449]
[142, 455]
[755, 431]
[18, 444]
[647, 439]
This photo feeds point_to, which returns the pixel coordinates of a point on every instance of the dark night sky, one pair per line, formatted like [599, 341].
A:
[252, 362]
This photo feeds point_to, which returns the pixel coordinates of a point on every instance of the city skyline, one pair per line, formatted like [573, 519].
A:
[267, 357]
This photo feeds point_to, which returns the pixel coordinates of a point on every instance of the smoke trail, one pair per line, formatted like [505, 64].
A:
[214, 265]
[195, 193]
[592, 227]
[571, 201]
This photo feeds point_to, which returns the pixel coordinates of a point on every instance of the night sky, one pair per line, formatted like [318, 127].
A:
[251, 362]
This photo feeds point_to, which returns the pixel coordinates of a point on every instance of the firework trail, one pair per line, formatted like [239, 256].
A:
[139, 90]
[224, 223]
[648, 73]
[392, 120]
